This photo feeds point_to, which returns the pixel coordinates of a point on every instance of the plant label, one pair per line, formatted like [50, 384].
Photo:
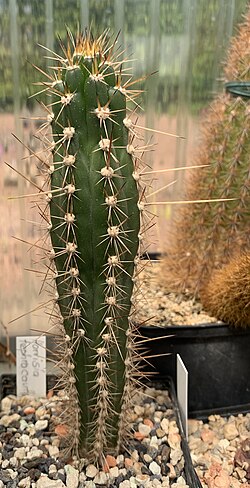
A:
[31, 366]
[182, 391]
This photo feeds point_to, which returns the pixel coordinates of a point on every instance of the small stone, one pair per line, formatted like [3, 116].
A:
[175, 456]
[124, 484]
[230, 431]
[29, 410]
[135, 455]
[111, 461]
[144, 429]
[45, 482]
[40, 413]
[6, 405]
[20, 453]
[147, 458]
[154, 468]
[25, 482]
[5, 464]
[172, 473]
[91, 471]
[138, 436]
[101, 478]
[82, 477]
[34, 453]
[165, 425]
[23, 425]
[174, 439]
[149, 423]
[52, 470]
[223, 444]
[35, 442]
[13, 462]
[41, 425]
[180, 483]
[6, 420]
[137, 467]
[128, 463]
[132, 482]
[120, 460]
[53, 451]
[160, 433]
[61, 430]
[139, 410]
[114, 472]
[72, 476]
[207, 436]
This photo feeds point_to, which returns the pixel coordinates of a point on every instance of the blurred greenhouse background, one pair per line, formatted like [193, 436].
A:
[182, 42]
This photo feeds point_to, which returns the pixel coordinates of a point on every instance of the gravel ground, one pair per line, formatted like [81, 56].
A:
[163, 308]
[30, 447]
[220, 450]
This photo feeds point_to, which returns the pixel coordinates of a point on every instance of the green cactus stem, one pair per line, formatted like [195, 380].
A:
[95, 205]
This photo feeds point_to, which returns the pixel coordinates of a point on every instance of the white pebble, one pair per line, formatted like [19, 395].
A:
[34, 453]
[13, 462]
[5, 463]
[155, 468]
[25, 482]
[6, 420]
[101, 478]
[41, 425]
[72, 476]
[147, 458]
[165, 425]
[144, 429]
[20, 453]
[175, 456]
[24, 439]
[82, 477]
[6, 405]
[13, 474]
[114, 472]
[91, 471]
[45, 482]
[53, 451]
[124, 484]
[35, 442]
[133, 483]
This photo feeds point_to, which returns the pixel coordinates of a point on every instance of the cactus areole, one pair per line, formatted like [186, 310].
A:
[95, 218]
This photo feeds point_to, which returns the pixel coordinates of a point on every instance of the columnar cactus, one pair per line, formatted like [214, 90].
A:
[206, 234]
[95, 204]
[227, 294]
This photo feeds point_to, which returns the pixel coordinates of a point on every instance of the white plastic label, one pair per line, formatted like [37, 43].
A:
[182, 391]
[31, 366]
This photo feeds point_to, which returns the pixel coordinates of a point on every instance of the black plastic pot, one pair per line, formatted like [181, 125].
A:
[8, 387]
[217, 358]
[8, 384]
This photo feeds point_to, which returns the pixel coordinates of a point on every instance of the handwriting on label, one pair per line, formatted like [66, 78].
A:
[31, 365]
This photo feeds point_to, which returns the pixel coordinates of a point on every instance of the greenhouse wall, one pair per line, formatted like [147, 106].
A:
[180, 44]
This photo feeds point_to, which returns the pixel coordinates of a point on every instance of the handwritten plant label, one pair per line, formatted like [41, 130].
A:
[31, 366]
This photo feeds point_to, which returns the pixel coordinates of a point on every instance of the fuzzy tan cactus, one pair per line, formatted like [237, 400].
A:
[96, 218]
[205, 234]
[227, 294]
